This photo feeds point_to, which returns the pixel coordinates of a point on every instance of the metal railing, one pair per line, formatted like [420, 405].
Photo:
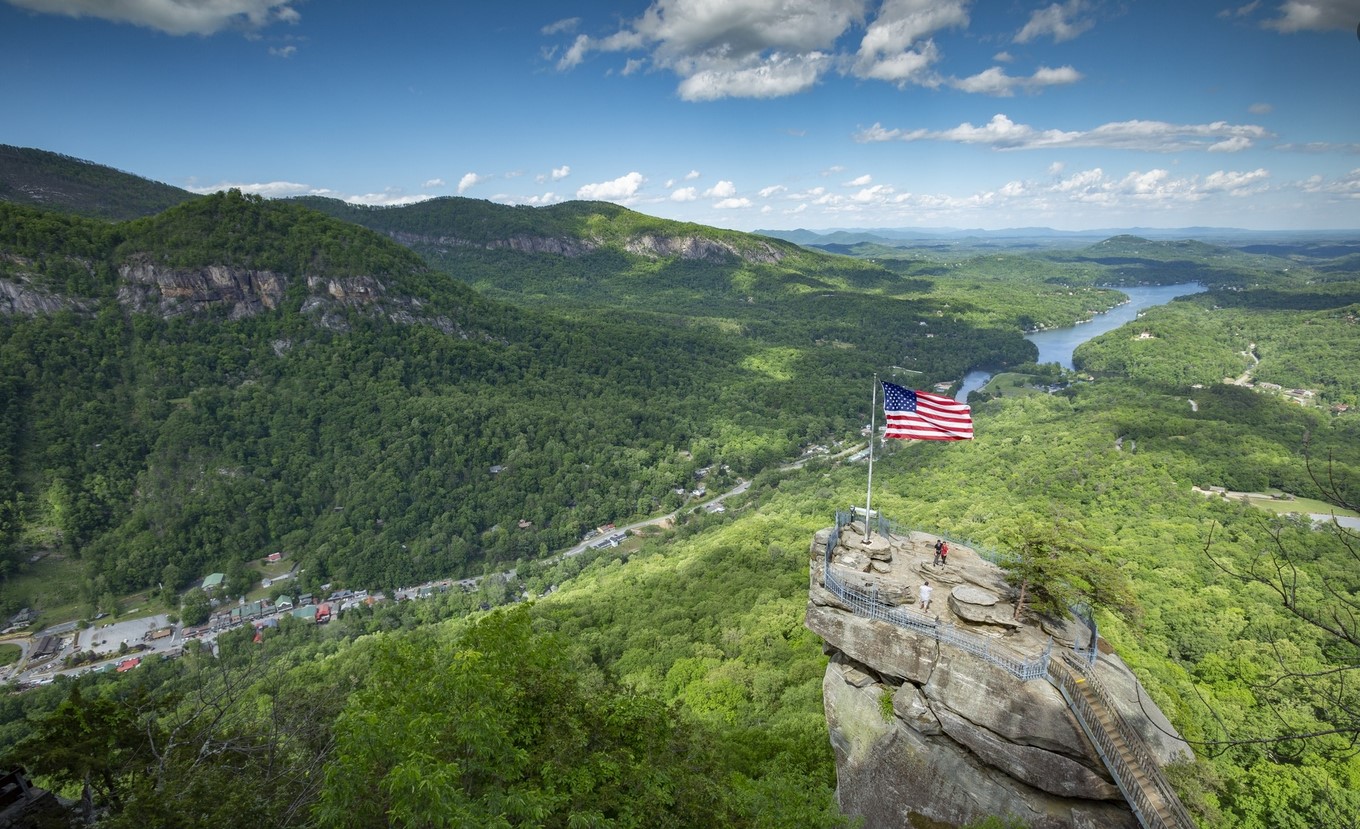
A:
[1154, 802]
[886, 527]
[881, 526]
[1129, 766]
[1090, 652]
[866, 602]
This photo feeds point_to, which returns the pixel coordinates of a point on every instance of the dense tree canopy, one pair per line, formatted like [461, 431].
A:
[378, 448]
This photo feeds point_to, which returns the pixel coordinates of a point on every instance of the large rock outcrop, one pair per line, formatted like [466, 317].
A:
[151, 288]
[21, 299]
[649, 245]
[147, 286]
[21, 294]
[927, 734]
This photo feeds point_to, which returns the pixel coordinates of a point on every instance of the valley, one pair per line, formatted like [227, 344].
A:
[225, 377]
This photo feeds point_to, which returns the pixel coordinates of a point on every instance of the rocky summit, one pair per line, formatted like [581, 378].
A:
[930, 724]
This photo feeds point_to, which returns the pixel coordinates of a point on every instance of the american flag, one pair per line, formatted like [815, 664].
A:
[917, 415]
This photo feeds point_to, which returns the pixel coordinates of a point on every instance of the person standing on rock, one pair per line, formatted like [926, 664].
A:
[944, 553]
[938, 546]
[925, 596]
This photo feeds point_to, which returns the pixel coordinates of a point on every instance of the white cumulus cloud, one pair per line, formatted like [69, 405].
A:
[1346, 186]
[1061, 21]
[432, 183]
[721, 190]
[874, 194]
[773, 48]
[685, 194]
[897, 45]
[996, 82]
[1315, 16]
[1234, 182]
[1001, 133]
[566, 24]
[772, 77]
[619, 189]
[268, 189]
[176, 17]
[386, 199]
[1231, 145]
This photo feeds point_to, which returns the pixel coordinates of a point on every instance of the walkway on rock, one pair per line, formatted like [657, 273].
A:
[1123, 751]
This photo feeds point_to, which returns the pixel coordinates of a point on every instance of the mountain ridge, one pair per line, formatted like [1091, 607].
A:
[72, 185]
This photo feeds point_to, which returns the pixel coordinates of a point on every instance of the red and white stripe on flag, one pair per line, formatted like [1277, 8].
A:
[919, 415]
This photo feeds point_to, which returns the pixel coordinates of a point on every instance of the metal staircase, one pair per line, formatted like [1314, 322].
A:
[1123, 751]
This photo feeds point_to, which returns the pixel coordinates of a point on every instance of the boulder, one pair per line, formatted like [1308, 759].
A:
[912, 709]
[1028, 713]
[981, 607]
[964, 738]
[892, 776]
[1041, 769]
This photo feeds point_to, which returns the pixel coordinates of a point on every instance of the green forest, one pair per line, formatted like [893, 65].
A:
[157, 448]
[495, 402]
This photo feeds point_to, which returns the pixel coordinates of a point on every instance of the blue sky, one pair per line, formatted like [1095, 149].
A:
[744, 114]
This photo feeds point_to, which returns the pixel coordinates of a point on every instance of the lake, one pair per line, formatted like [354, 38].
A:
[1057, 345]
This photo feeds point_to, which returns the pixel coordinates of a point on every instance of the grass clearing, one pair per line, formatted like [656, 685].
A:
[52, 585]
[1308, 506]
[1012, 384]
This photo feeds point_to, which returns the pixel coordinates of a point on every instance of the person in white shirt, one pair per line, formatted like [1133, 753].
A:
[925, 596]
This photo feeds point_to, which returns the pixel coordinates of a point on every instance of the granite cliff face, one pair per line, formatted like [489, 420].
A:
[147, 287]
[652, 246]
[175, 291]
[929, 735]
[21, 296]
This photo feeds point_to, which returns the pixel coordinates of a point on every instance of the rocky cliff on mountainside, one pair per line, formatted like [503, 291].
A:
[925, 733]
[19, 298]
[173, 291]
[649, 245]
[146, 287]
[152, 288]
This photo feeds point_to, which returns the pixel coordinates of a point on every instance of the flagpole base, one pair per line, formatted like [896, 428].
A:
[875, 544]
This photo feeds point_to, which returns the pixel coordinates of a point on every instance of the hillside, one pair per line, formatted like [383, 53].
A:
[291, 380]
[58, 182]
[189, 391]
[618, 256]
[587, 259]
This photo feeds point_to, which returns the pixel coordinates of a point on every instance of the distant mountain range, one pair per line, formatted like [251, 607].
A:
[351, 376]
[59, 182]
[39, 178]
[1047, 235]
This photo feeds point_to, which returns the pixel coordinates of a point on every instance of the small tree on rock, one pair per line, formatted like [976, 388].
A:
[1053, 567]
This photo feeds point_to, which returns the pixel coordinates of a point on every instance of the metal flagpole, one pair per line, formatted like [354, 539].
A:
[873, 431]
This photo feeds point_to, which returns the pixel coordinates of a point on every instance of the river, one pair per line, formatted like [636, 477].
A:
[1057, 345]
